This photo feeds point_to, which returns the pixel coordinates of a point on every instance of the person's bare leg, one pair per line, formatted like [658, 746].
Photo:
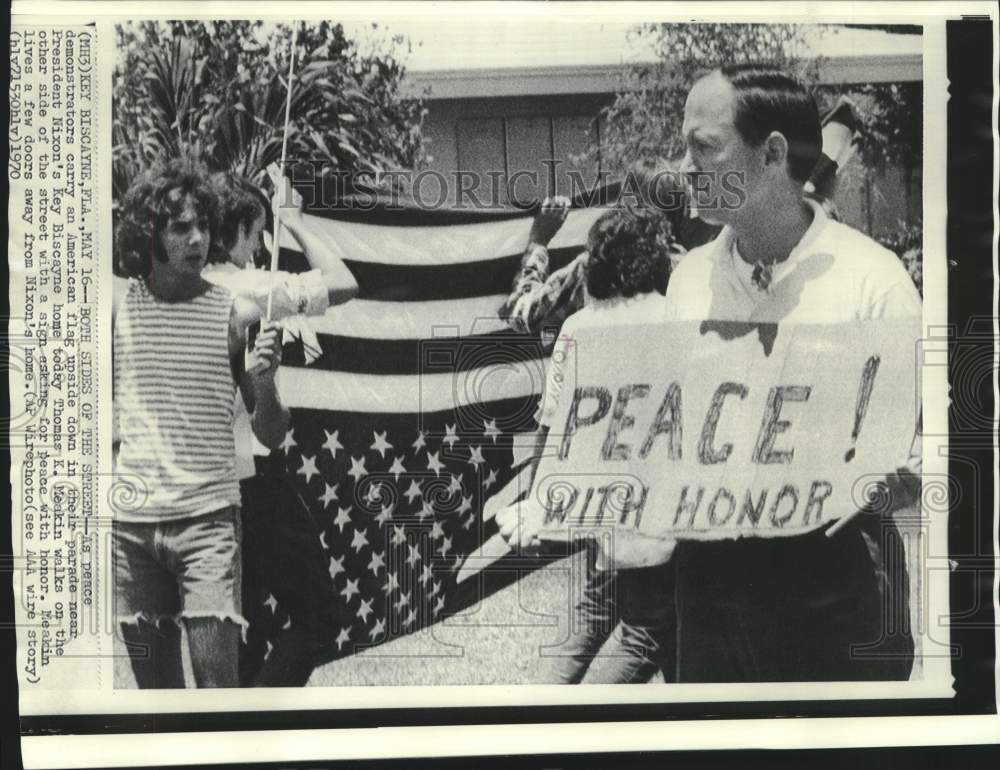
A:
[214, 647]
[155, 654]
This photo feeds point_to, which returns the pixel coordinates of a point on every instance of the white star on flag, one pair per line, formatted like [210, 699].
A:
[343, 637]
[360, 540]
[444, 547]
[450, 436]
[490, 480]
[380, 445]
[455, 485]
[413, 491]
[376, 563]
[343, 517]
[364, 610]
[467, 524]
[437, 530]
[425, 510]
[426, 574]
[384, 515]
[350, 589]
[357, 469]
[272, 603]
[466, 505]
[288, 442]
[391, 583]
[332, 444]
[398, 535]
[322, 541]
[458, 562]
[414, 555]
[436, 588]
[377, 630]
[491, 430]
[434, 464]
[403, 601]
[336, 567]
[329, 494]
[308, 468]
[270, 649]
[410, 618]
[439, 605]
[397, 468]
[476, 456]
[420, 443]
[287, 624]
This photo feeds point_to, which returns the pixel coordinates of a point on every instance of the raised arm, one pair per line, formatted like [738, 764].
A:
[535, 296]
[340, 283]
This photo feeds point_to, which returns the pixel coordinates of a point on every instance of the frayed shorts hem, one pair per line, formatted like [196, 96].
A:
[155, 619]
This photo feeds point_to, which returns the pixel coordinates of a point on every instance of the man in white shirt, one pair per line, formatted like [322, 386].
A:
[801, 607]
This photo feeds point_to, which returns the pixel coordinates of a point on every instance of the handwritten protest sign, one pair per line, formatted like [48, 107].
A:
[719, 429]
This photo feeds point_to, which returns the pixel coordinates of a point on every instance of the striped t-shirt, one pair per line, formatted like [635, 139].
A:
[174, 404]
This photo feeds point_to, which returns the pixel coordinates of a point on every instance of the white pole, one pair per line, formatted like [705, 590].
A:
[276, 240]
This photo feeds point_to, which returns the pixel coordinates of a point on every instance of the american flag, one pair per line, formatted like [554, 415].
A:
[413, 410]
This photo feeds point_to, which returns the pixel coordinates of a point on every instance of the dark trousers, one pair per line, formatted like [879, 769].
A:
[626, 618]
[283, 557]
[798, 608]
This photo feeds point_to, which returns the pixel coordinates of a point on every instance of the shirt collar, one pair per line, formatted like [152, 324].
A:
[727, 241]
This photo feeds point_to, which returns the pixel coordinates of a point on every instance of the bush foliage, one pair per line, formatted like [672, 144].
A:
[217, 90]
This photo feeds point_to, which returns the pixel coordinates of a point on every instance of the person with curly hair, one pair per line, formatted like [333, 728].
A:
[618, 618]
[179, 358]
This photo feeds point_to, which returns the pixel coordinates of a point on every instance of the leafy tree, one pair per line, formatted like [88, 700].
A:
[218, 89]
[644, 121]
[908, 244]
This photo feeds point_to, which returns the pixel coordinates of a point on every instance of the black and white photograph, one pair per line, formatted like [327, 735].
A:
[435, 257]
[434, 361]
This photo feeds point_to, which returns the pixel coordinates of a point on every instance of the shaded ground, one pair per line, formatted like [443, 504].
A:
[509, 637]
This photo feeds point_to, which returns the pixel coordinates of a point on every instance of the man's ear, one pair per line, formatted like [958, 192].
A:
[775, 149]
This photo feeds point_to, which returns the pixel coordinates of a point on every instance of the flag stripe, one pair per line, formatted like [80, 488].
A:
[388, 282]
[370, 319]
[437, 247]
[307, 388]
[419, 357]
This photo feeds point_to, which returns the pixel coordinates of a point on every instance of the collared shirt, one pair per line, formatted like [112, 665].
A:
[834, 274]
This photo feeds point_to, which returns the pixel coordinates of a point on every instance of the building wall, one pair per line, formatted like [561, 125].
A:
[516, 139]
[513, 149]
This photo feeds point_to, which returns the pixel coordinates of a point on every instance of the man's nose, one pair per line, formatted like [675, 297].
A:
[197, 235]
[687, 165]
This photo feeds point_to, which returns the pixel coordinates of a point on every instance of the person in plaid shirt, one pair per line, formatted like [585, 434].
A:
[540, 302]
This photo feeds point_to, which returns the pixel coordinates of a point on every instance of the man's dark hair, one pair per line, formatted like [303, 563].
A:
[767, 100]
[151, 203]
[629, 253]
[241, 203]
